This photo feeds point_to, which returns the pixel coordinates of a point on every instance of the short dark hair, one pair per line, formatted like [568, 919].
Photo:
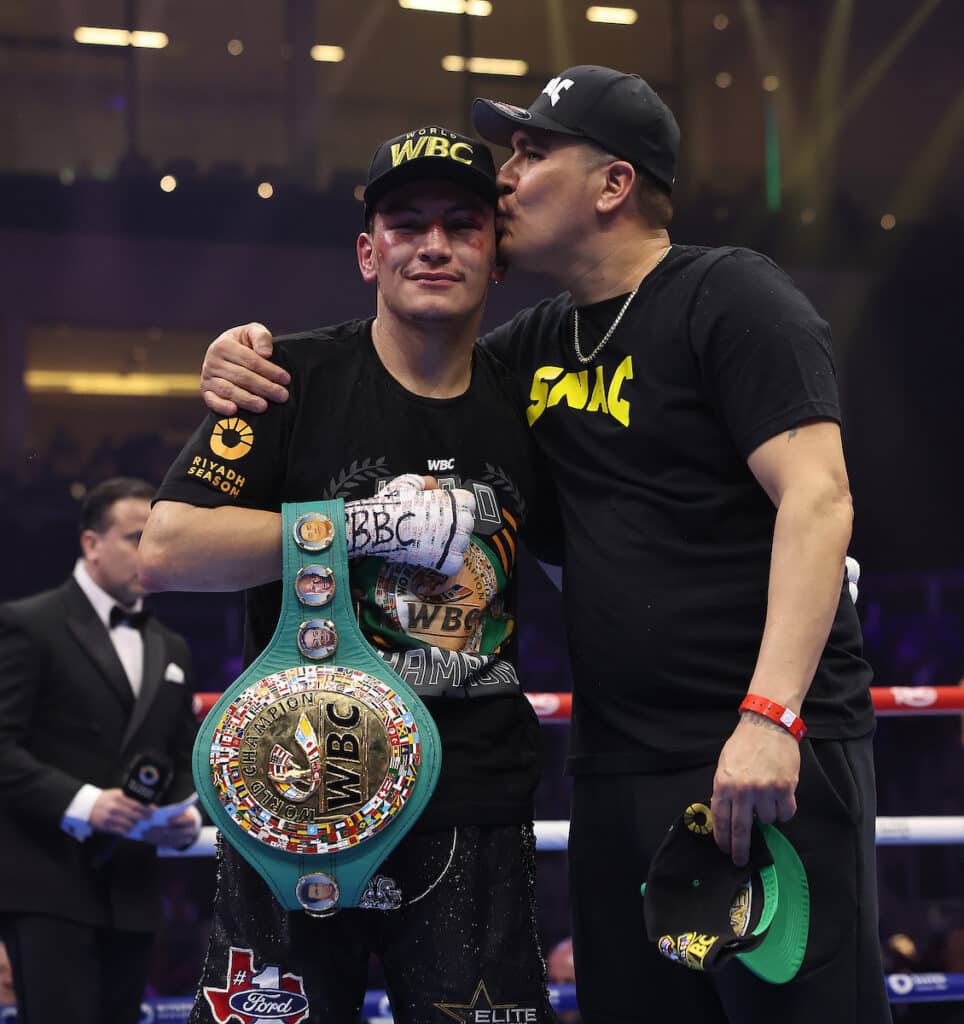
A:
[652, 198]
[98, 502]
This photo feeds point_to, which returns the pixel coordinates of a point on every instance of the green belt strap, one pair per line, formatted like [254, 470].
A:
[315, 768]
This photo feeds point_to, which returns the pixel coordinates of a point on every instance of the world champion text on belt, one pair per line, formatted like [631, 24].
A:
[315, 772]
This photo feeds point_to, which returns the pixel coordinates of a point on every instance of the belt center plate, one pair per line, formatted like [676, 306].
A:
[315, 759]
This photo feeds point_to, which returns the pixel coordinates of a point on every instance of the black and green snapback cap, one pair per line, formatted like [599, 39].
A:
[702, 910]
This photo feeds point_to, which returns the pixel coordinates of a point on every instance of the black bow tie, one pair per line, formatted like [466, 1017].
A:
[121, 617]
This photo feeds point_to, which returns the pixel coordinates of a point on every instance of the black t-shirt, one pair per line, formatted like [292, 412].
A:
[348, 426]
[667, 532]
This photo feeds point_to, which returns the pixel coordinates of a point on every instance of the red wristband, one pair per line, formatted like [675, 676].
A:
[776, 713]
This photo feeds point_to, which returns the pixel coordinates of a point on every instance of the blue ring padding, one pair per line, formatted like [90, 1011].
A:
[925, 988]
[561, 997]
[901, 988]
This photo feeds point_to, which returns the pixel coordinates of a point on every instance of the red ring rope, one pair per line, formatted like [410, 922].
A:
[888, 700]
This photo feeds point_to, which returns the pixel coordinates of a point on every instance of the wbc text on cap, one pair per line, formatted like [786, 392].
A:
[427, 153]
[618, 112]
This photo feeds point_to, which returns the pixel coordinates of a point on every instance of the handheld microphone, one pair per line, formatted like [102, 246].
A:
[147, 777]
[146, 780]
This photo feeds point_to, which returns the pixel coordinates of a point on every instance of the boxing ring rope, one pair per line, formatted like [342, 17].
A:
[901, 988]
[891, 831]
[888, 700]
[557, 707]
[554, 835]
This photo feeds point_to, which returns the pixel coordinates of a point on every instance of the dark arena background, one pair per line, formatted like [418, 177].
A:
[201, 166]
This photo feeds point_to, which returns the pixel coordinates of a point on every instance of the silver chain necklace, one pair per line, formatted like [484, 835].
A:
[612, 328]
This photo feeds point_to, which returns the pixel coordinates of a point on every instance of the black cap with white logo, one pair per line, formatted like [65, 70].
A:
[619, 112]
[431, 153]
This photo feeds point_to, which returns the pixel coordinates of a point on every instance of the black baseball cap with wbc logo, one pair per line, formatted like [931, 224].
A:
[619, 112]
[703, 911]
[431, 153]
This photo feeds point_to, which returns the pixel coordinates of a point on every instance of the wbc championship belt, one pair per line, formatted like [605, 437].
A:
[316, 762]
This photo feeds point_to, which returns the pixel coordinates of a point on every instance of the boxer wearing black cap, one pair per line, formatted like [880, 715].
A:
[450, 912]
[430, 154]
[686, 401]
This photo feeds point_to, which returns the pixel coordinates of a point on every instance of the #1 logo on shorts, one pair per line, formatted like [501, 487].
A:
[251, 997]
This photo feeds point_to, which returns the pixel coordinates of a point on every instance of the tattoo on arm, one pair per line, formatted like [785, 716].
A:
[791, 434]
[761, 722]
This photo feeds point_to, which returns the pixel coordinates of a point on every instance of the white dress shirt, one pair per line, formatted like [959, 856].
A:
[127, 641]
[129, 645]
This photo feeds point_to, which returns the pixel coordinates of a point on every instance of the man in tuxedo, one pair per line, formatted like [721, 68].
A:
[93, 693]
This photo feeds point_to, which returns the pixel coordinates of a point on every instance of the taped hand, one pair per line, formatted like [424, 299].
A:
[414, 522]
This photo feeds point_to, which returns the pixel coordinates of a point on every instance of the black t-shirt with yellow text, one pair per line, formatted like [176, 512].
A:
[667, 534]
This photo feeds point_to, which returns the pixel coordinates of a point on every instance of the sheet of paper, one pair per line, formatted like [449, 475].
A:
[161, 816]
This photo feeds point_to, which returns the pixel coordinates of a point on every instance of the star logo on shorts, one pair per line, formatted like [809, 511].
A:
[491, 1013]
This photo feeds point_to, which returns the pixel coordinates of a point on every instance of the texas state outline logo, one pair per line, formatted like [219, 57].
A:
[251, 997]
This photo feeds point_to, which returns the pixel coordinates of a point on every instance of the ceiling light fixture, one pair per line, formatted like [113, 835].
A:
[485, 65]
[149, 40]
[612, 15]
[477, 8]
[120, 37]
[327, 54]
